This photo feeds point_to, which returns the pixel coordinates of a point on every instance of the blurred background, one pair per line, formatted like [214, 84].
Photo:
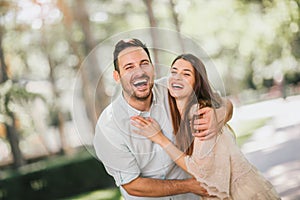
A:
[253, 44]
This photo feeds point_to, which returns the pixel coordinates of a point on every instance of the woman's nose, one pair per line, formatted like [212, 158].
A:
[177, 76]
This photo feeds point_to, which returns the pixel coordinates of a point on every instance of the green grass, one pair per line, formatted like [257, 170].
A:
[246, 128]
[107, 194]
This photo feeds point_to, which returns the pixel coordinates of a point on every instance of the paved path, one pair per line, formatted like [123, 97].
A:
[275, 148]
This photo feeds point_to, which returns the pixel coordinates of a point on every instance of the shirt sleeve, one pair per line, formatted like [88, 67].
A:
[113, 152]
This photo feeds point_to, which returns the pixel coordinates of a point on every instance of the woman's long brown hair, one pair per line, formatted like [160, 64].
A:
[203, 94]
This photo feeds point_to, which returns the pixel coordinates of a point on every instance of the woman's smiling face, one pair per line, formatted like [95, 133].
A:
[182, 79]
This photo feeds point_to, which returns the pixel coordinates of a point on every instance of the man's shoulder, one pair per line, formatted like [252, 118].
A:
[106, 125]
[162, 81]
[161, 86]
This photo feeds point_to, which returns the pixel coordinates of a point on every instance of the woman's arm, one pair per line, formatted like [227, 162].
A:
[151, 129]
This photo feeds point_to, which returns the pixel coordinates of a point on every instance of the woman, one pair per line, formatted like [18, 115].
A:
[217, 163]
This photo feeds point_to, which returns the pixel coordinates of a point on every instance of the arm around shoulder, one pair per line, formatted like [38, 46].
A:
[228, 109]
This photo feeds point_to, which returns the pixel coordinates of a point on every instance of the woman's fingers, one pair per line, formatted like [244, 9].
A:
[140, 120]
[136, 124]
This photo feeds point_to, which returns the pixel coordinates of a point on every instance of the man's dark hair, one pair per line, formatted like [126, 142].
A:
[123, 44]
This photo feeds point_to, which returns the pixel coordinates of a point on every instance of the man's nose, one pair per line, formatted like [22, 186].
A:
[139, 70]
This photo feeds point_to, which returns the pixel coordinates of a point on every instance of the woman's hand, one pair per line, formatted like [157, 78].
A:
[147, 127]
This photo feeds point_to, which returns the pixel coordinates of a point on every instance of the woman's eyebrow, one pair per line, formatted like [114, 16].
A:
[187, 70]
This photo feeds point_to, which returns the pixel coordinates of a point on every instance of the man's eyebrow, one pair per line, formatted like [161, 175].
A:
[147, 60]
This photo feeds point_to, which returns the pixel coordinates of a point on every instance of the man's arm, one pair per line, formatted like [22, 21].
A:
[148, 187]
[227, 110]
[212, 122]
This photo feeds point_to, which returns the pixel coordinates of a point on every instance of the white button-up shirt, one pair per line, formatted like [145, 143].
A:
[127, 155]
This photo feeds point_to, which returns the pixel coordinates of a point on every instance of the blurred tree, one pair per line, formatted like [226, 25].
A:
[250, 41]
[10, 123]
[3, 74]
[12, 131]
[89, 74]
[13, 94]
[153, 24]
[176, 22]
[57, 114]
[68, 22]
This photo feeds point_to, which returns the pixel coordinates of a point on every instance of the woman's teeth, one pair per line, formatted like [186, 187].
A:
[174, 85]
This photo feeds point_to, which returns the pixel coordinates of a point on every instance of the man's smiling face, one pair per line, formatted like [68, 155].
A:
[136, 73]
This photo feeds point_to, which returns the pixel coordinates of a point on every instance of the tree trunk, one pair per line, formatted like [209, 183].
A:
[3, 74]
[93, 90]
[59, 114]
[153, 24]
[177, 25]
[13, 138]
[68, 21]
[56, 94]
[12, 134]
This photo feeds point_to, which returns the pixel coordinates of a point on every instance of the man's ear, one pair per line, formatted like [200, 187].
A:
[116, 76]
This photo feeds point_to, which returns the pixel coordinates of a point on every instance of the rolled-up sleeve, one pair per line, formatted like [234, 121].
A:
[111, 149]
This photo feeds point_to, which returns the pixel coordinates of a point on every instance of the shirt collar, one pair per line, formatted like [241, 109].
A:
[132, 111]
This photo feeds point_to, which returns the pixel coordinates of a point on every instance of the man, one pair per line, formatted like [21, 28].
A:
[141, 168]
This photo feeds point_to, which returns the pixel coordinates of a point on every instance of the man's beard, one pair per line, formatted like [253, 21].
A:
[131, 93]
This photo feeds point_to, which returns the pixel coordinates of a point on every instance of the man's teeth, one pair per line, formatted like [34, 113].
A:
[177, 86]
[140, 82]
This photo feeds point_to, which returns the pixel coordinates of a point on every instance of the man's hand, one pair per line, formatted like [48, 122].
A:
[196, 188]
[206, 126]
[212, 121]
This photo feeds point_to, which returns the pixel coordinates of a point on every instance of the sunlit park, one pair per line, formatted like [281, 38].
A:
[56, 69]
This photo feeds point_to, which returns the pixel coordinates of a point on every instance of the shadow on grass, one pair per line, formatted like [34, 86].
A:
[107, 194]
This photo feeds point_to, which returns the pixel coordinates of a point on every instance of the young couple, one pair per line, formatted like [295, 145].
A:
[144, 168]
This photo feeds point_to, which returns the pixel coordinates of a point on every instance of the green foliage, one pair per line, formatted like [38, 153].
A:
[246, 128]
[292, 78]
[107, 194]
[55, 177]
[12, 94]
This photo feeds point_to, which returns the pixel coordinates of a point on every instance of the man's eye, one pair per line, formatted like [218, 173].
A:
[173, 73]
[128, 67]
[187, 74]
[145, 64]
